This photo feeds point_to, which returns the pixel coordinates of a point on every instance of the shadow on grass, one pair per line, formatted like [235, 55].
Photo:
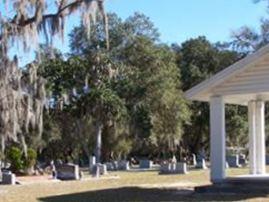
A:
[128, 194]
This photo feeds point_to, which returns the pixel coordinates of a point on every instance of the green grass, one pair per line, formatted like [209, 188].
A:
[130, 186]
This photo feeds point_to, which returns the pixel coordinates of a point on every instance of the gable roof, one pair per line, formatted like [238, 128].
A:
[203, 91]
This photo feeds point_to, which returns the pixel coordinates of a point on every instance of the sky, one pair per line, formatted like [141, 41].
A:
[179, 20]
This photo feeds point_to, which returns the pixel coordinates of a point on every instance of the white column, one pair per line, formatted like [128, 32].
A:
[252, 136]
[217, 139]
[260, 138]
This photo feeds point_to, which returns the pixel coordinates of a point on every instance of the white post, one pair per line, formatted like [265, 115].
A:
[217, 139]
[252, 136]
[260, 138]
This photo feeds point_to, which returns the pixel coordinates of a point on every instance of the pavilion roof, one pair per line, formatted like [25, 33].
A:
[239, 83]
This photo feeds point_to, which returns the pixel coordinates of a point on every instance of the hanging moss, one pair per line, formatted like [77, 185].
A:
[23, 95]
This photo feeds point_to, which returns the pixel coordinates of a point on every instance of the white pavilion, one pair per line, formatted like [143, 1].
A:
[244, 83]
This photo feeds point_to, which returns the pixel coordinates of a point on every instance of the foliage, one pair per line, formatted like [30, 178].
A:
[120, 32]
[133, 91]
[28, 19]
[30, 159]
[19, 160]
[247, 39]
[23, 92]
[198, 59]
[14, 156]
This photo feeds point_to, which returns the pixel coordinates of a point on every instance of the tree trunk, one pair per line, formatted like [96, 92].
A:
[89, 155]
[99, 128]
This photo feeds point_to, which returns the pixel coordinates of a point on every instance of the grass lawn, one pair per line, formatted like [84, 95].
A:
[124, 186]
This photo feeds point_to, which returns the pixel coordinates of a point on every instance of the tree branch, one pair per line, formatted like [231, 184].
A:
[23, 23]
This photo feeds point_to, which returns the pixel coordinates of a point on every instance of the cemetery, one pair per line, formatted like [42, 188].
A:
[122, 101]
[45, 189]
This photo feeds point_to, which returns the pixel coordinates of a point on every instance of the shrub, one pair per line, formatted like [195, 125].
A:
[30, 161]
[14, 157]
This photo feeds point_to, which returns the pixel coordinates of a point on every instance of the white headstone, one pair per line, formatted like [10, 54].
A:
[8, 178]
[194, 162]
[110, 166]
[181, 168]
[165, 168]
[103, 169]
[201, 164]
[173, 168]
[242, 159]
[124, 165]
[92, 163]
[67, 172]
[145, 164]
[99, 169]
[233, 161]
[116, 165]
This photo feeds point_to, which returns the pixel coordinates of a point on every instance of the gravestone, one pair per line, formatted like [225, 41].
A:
[8, 178]
[102, 169]
[201, 164]
[116, 165]
[67, 172]
[145, 164]
[181, 168]
[123, 165]
[174, 159]
[242, 160]
[110, 166]
[194, 161]
[92, 163]
[233, 161]
[173, 168]
[165, 168]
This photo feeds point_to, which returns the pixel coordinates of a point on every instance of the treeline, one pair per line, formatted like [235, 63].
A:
[128, 101]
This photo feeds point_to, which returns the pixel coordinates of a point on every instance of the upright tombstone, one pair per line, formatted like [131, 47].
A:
[118, 165]
[181, 168]
[145, 164]
[67, 172]
[233, 161]
[99, 169]
[110, 166]
[165, 168]
[103, 169]
[92, 162]
[201, 163]
[242, 159]
[8, 178]
[173, 168]
[124, 165]
[194, 161]
[174, 159]
[115, 165]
